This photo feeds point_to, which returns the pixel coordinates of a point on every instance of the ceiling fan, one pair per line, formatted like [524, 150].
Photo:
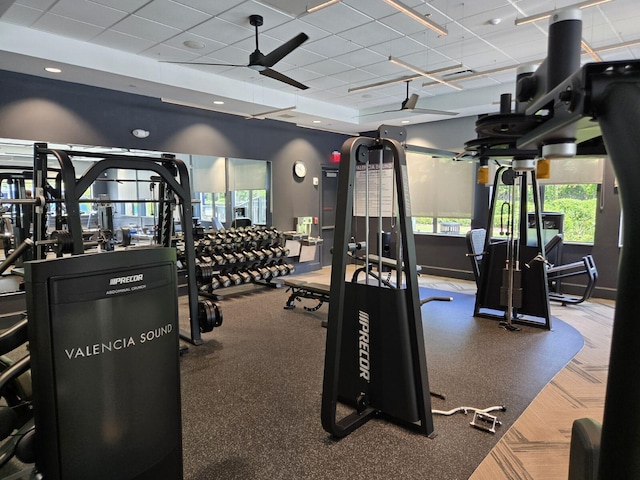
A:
[262, 63]
[409, 105]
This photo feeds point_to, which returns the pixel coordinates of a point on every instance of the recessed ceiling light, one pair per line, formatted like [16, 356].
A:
[193, 44]
[405, 121]
[218, 102]
[317, 121]
[53, 69]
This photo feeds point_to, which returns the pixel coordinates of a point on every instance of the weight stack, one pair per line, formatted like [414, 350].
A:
[103, 333]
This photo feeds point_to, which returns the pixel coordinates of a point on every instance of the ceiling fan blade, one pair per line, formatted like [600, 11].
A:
[205, 63]
[411, 102]
[283, 50]
[433, 112]
[379, 113]
[282, 78]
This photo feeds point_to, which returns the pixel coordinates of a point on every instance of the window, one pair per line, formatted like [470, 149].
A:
[230, 188]
[441, 193]
[572, 189]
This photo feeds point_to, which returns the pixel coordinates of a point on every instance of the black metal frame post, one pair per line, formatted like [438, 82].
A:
[354, 151]
[609, 92]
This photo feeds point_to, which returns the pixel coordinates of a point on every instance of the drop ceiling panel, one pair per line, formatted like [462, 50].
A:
[398, 47]
[302, 57]
[178, 41]
[138, 26]
[172, 14]
[289, 30]
[370, 33]
[88, 12]
[337, 18]
[360, 58]
[128, 6]
[37, 4]
[22, 15]
[67, 27]
[223, 31]
[240, 15]
[122, 41]
[331, 46]
[399, 22]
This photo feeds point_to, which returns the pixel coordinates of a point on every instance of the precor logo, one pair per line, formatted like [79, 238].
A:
[127, 279]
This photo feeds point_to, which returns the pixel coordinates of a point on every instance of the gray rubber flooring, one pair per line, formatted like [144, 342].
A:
[251, 394]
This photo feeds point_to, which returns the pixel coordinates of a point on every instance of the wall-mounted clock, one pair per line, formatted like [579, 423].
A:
[299, 169]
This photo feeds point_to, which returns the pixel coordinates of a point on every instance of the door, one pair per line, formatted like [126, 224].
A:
[328, 220]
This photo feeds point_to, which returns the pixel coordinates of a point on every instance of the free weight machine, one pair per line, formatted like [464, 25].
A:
[553, 100]
[173, 191]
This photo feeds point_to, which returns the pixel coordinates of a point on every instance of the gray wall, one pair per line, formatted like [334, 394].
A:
[38, 109]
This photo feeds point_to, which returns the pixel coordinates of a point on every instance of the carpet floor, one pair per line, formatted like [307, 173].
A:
[251, 394]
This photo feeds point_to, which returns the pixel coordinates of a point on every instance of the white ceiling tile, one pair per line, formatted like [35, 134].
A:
[143, 28]
[222, 31]
[209, 45]
[378, 9]
[301, 57]
[354, 76]
[128, 6]
[331, 46]
[166, 53]
[327, 67]
[87, 12]
[371, 33]
[67, 27]
[385, 68]
[21, 15]
[398, 47]
[172, 14]
[207, 6]
[323, 83]
[240, 15]
[402, 23]
[337, 18]
[360, 58]
[289, 30]
[122, 41]
[42, 5]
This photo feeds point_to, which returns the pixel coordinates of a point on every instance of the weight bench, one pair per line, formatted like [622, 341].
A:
[300, 289]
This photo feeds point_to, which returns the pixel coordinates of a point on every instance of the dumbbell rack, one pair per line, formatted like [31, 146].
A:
[238, 259]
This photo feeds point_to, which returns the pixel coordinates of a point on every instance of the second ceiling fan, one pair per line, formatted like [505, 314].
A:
[409, 105]
[262, 63]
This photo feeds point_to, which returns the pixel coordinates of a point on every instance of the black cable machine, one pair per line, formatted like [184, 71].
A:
[68, 191]
[375, 355]
[557, 96]
[513, 286]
